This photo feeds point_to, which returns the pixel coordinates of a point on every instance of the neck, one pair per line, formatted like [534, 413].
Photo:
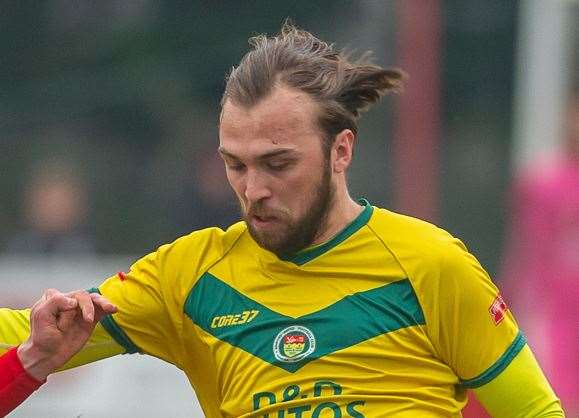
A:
[342, 212]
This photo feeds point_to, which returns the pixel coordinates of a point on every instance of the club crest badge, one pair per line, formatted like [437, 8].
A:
[498, 309]
[293, 344]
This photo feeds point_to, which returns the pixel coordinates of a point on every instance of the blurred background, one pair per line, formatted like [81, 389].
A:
[108, 136]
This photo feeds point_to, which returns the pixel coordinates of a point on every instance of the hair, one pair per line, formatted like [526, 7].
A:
[342, 87]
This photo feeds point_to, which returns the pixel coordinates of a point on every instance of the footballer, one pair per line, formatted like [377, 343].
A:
[316, 304]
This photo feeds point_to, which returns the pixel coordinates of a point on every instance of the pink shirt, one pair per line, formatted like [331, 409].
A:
[541, 271]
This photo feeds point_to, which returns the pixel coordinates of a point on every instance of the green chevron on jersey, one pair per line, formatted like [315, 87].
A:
[256, 329]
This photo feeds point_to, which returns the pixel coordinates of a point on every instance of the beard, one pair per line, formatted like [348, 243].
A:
[294, 235]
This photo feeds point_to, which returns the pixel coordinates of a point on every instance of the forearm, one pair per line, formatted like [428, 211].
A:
[521, 390]
[99, 346]
[14, 327]
[15, 383]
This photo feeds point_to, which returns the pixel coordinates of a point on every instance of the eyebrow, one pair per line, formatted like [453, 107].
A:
[265, 156]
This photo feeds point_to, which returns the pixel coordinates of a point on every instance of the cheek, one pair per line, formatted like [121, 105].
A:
[296, 191]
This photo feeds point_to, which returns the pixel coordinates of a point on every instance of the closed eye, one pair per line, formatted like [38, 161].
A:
[232, 163]
[235, 166]
[278, 166]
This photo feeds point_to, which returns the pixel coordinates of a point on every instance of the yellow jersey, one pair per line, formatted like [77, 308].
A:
[391, 317]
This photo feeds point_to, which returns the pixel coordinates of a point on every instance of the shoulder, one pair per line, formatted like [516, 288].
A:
[430, 256]
[188, 257]
[406, 236]
[175, 267]
[202, 247]
[218, 239]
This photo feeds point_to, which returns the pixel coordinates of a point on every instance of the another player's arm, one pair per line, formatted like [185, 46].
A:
[521, 390]
[15, 329]
[60, 326]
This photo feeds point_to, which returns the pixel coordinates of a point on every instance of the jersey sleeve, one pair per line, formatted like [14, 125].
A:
[14, 327]
[150, 296]
[144, 322]
[469, 322]
[521, 390]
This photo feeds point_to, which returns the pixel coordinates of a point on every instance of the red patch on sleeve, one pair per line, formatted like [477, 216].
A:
[122, 276]
[498, 309]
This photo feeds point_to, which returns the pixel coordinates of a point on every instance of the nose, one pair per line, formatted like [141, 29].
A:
[256, 187]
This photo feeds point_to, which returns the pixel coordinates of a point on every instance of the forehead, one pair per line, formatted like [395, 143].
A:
[286, 118]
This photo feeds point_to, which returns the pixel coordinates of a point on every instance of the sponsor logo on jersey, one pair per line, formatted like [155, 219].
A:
[498, 309]
[233, 319]
[293, 344]
[323, 401]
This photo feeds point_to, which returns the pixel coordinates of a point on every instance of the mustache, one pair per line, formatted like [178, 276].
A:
[262, 211]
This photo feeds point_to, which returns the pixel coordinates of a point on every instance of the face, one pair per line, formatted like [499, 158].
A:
[276, 165]
[55, 206]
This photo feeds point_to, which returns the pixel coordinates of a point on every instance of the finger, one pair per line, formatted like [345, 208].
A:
[48, 293]
[46, 314]
[102, 307]
[57, 303]
[67, 319]
[103, 303]
[85, 304]
[51, 292]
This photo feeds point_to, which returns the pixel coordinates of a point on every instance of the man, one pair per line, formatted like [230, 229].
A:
[317, 305]
[60, 327]
[545, 203]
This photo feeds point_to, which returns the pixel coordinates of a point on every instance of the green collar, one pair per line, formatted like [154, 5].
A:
[310, 253]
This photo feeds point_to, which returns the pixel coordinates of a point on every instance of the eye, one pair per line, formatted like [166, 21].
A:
[278, 165]
[235, 166]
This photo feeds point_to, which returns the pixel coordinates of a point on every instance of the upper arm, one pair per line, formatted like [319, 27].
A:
[477, 336]
[521, 390]
[470, 327]
[143, 322]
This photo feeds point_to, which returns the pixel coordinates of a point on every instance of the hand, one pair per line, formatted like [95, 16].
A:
[60, 325]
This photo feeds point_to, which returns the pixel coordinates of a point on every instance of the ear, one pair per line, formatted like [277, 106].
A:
[342, 151]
